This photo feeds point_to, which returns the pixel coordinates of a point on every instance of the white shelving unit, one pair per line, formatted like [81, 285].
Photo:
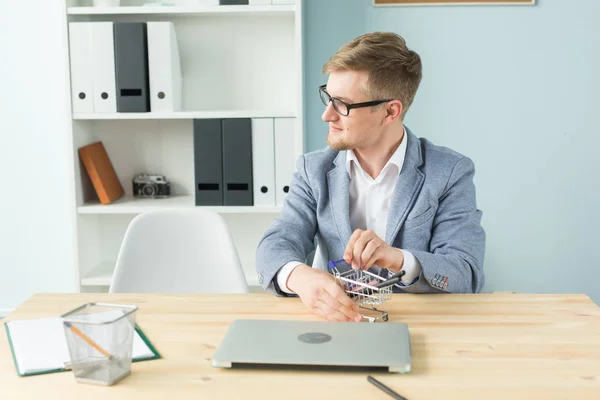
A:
[237, 62]
[131, 205]
[186, 10]
[101, 276]
[186, 115]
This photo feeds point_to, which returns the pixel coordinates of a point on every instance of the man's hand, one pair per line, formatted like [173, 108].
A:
[321, 295]
[365, 249]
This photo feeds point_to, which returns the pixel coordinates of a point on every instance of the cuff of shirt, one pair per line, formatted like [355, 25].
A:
[284, 273]
[412, 269]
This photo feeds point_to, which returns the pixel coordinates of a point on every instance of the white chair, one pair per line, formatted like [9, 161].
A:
[178, 251]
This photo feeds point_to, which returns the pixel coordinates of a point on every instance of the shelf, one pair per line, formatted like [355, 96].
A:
[185, 115]
[130, 205]
[102, 276]
[185, 10]
[99, 276]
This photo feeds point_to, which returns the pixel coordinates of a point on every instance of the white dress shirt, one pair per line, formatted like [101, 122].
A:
[369, 208]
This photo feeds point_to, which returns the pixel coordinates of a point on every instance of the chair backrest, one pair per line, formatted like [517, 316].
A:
[178, 251]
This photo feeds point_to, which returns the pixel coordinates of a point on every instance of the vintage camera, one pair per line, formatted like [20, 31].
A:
[150, 186]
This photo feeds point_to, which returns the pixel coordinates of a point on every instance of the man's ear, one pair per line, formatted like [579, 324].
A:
[393, 111]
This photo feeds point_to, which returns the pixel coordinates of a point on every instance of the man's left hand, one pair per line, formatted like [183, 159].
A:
[365, 249]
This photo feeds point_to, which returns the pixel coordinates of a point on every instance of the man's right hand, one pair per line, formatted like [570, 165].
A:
[321, 295]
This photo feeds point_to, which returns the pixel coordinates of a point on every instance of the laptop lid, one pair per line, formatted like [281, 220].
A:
[315, 343]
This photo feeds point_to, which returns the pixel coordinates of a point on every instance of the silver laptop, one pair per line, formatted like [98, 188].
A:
[309, 343]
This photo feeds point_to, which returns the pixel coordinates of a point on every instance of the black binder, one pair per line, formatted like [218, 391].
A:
[131, 66]
[208, 162]
[237, 162]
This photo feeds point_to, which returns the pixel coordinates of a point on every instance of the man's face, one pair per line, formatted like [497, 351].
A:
[363, 127]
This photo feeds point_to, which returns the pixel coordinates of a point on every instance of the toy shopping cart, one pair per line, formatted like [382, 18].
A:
[366, 288]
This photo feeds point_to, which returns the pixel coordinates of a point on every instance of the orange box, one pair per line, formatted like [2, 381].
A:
[101, 172]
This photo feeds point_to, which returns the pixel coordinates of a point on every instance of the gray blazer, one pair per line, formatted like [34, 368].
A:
[433, 215]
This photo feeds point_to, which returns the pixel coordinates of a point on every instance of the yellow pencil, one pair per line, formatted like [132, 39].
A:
[88, 340]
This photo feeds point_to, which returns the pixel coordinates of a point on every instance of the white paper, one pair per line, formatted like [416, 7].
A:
[40, 345]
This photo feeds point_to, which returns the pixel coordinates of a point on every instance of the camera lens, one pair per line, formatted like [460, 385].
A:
[148, 190]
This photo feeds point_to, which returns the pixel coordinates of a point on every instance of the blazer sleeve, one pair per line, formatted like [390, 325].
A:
[454, 262]
[291, 236]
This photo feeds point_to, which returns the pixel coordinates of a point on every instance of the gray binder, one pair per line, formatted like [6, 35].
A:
[131, 66]
[208, 162]
[232, 2]
[237, 162]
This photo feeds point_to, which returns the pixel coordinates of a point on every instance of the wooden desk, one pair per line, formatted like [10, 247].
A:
[464, 347]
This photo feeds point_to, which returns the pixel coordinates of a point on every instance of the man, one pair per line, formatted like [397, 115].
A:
[378, 196]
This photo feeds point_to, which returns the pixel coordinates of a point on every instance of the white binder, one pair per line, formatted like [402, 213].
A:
[259, 2]
[164, 67]
[280, 2]
[263, 161]
[80, 51]
[285, 157]
[103, 49]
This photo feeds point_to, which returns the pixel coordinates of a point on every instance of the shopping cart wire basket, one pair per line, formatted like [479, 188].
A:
[365, 288]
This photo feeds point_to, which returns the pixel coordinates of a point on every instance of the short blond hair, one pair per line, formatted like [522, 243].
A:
[394, 70]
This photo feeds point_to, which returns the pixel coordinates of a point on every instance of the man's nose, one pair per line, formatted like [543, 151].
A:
[329, 114]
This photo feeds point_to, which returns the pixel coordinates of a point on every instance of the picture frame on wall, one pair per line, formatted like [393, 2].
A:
[450, 2]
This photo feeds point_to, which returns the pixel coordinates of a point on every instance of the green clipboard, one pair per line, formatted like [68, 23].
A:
[156, 354]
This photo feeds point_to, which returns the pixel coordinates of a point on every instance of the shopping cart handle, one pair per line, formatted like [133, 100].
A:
[393, 279]
[398, 274]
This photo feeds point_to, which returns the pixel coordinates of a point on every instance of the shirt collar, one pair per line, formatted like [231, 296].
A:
[396, 159]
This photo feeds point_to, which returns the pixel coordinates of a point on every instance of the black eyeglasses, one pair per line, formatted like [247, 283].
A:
[343, 108]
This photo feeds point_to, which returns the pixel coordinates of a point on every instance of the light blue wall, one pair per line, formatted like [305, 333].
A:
[517, 89]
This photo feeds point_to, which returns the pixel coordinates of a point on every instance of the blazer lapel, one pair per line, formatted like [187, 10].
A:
[339, 197]
[407, 188]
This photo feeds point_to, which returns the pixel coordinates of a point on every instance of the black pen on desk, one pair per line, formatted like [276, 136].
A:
[385, 388]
